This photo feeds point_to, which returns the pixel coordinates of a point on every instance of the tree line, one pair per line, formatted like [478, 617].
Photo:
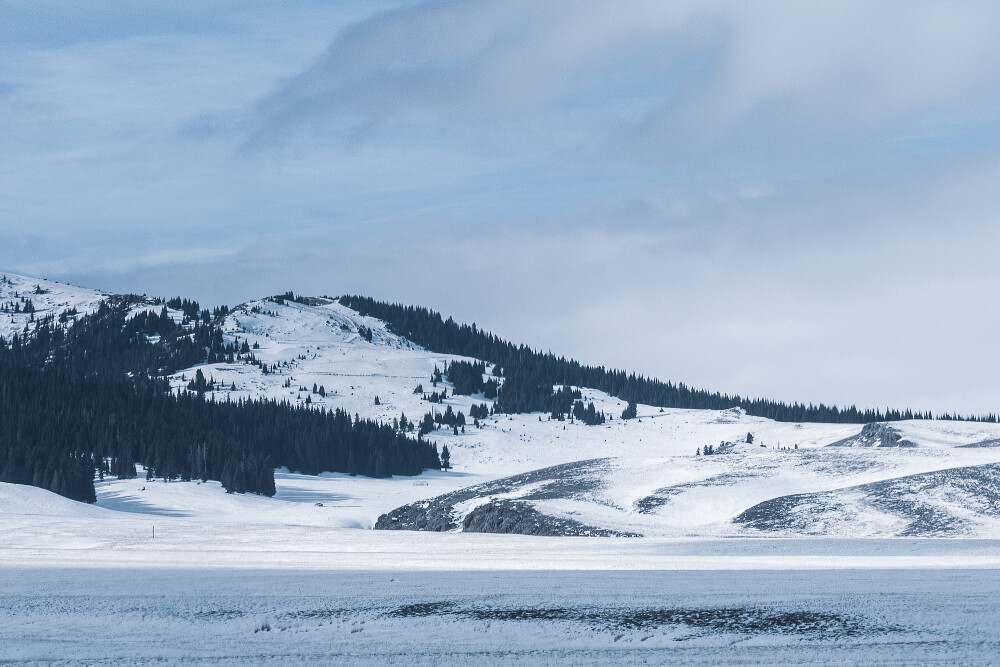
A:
[91, 399]
[530, 375]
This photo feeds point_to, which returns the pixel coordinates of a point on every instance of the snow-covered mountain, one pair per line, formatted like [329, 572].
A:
[528, 473]
[24, 300]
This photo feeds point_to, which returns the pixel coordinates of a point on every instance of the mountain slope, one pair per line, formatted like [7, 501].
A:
[944, 503]
[538, 472]
[46, 298]
[725, 494]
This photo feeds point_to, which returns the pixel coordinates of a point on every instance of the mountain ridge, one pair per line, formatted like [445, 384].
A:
[673, 472]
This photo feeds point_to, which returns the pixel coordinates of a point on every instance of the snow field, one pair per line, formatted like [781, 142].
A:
[271, 617]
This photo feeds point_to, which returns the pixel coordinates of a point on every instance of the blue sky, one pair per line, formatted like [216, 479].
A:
[793, 200]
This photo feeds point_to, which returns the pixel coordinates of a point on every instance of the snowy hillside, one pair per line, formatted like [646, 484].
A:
[24, 300]
[321, 346]
[666, 473]
[642, 476]
[922, 492]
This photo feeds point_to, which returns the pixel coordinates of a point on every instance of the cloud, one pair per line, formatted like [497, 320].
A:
[459, 62]
[834, 62]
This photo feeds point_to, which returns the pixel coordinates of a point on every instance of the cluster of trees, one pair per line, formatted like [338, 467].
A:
[110, 341]
[280, 299]
[436, 396]
[65, 315]
[529, 392]
[199, 384]
[190, 309]
[481, 411]
[447, 417]
[529, 375]
[18, 305]
[467, 377]
[92, 398]
[403, 425]
[588, 415]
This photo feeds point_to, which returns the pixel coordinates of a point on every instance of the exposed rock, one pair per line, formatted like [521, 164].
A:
[569, 481]
[876, 434]
[993, 442]
[730, 416]
[922, 505]
[518, 517]
[429, 515]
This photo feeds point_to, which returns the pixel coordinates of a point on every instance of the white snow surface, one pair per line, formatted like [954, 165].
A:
[182, 572]
[112, 616]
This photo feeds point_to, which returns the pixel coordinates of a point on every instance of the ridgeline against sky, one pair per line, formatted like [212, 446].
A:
[793, 200]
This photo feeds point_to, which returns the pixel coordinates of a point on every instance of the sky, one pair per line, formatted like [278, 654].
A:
[788, 200]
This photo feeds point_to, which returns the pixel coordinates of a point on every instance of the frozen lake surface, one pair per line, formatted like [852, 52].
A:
[205, 616]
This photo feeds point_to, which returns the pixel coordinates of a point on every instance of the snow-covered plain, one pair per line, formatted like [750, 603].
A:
[238, 617]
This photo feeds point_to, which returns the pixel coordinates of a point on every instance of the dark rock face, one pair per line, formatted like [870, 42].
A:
[921, 503]
[430, 516]
[570, 480]
[993, 442]
[520, 518]
[876, 434]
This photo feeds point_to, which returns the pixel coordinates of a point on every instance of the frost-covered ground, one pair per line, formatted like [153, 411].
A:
[278, 617]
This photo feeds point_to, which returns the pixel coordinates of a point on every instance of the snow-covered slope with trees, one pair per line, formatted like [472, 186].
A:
[24, 300]
[664, 473]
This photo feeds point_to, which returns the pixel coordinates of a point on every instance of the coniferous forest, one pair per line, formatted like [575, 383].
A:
[90, 399]
[529, 375]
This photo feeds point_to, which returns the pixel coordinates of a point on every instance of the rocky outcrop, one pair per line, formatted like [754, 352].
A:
[520, 518]
[876, 434]
[942, 503]
[515, 514]
[431, 515]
